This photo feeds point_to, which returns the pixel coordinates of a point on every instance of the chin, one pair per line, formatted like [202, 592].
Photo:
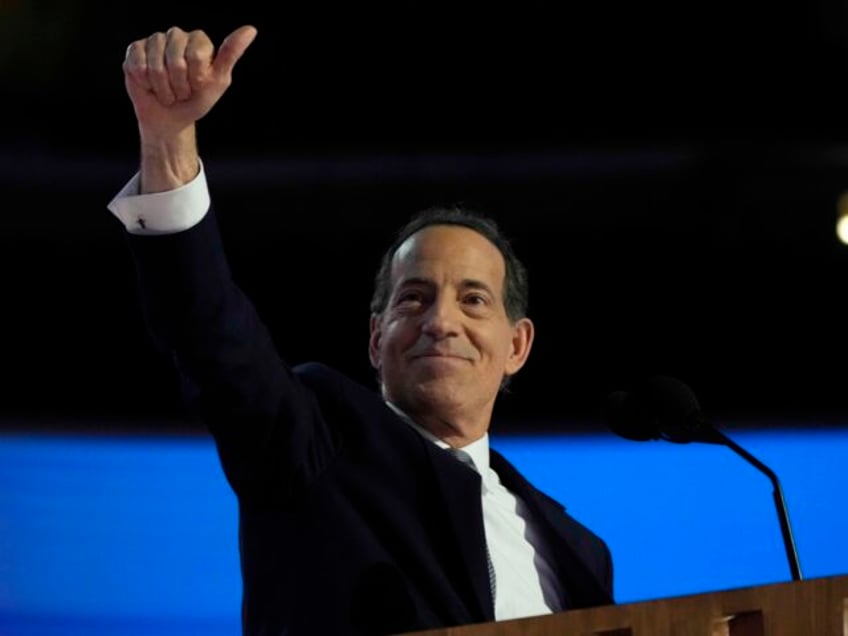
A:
[439, 395]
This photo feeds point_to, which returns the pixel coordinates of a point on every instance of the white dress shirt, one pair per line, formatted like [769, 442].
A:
[526, 584]
[161, 212]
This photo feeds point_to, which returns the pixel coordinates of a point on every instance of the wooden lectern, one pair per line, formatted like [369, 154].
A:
[812, 607]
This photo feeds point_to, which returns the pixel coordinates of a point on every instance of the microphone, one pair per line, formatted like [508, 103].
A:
[660, 408]
[665, 408]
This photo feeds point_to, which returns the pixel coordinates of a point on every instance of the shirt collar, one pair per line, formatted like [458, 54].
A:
[478, 449]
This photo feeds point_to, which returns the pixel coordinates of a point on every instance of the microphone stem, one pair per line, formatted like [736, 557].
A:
[780, 504]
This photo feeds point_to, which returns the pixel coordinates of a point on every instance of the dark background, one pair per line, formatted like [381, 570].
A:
[670, 174]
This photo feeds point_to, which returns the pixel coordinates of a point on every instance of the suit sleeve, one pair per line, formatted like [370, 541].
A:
[268, 428]
[607, 575]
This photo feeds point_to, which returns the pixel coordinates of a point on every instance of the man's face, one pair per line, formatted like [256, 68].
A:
[444, 342]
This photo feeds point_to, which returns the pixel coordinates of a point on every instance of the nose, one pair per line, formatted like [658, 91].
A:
[441, 320]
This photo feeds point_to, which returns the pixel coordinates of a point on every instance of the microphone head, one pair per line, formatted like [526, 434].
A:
[627, 415]
[661, 407]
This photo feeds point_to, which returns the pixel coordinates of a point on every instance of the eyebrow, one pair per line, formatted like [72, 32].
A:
[466, 283]
[471, 283]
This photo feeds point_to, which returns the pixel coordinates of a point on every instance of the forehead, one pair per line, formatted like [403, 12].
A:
[449, 250]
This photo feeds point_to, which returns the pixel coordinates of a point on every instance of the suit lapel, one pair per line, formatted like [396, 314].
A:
[460, 488]
[570, 545]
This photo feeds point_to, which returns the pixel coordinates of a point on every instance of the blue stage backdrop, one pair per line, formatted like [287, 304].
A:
[137, 535]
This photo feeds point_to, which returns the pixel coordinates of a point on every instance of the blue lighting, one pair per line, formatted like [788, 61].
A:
[138, 535]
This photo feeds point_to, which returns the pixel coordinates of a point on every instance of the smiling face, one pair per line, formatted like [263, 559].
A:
[444, 342]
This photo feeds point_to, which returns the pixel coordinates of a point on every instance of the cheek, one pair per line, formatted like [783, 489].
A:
[391, 342]
[499, 345]
[398, 333]
[490, 338]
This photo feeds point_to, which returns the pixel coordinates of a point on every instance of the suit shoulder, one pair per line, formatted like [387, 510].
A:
[323, 378]
[333, 388]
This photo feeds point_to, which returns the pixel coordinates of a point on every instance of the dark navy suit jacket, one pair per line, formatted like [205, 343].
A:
[350, 521]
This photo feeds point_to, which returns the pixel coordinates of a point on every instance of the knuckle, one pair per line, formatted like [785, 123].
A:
[177, 63]
[194, 55]
[155, 71]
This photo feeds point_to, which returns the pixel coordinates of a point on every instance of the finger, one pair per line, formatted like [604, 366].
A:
[199, 51]
[175, 62]
[157, 73]
[135, 64]
[232, 48]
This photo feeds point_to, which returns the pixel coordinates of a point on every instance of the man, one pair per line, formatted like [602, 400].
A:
[357, 512]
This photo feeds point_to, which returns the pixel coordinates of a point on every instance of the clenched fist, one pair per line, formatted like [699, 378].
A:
[175, 78]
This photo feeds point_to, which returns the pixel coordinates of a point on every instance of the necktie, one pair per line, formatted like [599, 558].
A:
[465, 458]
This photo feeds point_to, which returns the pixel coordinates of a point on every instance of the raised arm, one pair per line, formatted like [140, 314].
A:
[173, 79]
[265, 423]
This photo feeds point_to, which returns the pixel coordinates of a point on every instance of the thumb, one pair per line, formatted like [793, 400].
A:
[232, 48]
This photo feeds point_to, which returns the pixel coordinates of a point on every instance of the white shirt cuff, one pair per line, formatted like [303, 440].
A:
[161, 212]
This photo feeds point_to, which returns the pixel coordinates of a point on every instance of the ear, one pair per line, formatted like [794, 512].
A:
[521, 343]
[376, 334]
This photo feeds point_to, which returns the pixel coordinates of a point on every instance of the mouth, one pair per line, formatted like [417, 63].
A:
[431, 355]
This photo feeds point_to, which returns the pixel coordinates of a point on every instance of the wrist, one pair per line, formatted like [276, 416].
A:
[168, 162]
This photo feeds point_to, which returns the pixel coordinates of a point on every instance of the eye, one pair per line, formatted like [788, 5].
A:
[475, 299]
[409, 297]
